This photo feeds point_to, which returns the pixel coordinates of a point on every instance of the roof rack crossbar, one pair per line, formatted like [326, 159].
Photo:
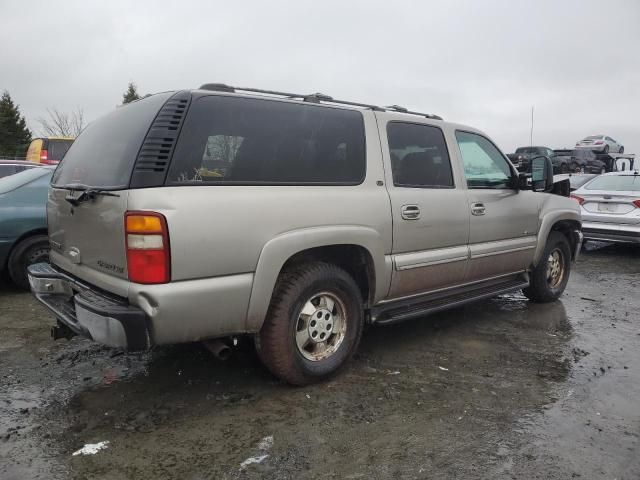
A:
[314, 98]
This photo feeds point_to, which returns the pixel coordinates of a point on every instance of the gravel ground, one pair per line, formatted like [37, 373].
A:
[499, 389]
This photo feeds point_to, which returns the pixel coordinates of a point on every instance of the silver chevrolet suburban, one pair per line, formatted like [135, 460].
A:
[206, 214]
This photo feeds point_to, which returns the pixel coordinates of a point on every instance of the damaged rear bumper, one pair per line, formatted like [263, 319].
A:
[99, 317]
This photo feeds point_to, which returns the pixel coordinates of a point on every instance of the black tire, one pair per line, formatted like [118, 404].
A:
[31, 250]
[606, 149]
[603, 170]
[276, 342]
[541, 289]
[564, 168]
[621, 149]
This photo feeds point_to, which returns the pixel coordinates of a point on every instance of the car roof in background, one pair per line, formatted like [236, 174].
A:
[17, 180]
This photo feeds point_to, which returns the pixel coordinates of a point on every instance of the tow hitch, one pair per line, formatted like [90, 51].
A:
[62, 331]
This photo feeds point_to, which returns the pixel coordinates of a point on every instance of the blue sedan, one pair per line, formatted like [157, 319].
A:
[23, 223]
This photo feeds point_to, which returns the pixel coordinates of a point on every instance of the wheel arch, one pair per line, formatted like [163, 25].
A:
[359, 250]
[566, 222]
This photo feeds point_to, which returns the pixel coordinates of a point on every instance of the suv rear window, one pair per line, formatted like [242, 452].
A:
[236, 140]
[58, 148]
[105, 152]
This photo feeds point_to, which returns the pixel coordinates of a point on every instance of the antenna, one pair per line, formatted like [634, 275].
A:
[531, 134]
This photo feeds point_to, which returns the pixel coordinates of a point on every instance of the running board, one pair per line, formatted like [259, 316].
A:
[401, 310]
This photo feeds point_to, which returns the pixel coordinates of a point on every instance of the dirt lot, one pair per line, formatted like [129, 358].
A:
[500, 389]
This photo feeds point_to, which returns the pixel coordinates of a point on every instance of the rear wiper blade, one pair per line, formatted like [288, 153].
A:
[86, 194]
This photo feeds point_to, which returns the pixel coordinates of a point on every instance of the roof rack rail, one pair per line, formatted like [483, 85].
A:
[313, 98]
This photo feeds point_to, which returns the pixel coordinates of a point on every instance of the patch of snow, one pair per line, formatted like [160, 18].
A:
[251, 460]
[91, 448]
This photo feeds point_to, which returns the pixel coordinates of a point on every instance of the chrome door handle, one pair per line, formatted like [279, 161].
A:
[410, 212]
[477, 209]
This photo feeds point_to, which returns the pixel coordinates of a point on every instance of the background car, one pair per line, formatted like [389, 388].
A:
[610, 207]
[48, 150]
[523, 155]
[23, 224]
[576, 180]
[9, 167]
[600, 143]
[572, 161]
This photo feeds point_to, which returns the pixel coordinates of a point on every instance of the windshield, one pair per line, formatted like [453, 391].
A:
[19, 179]
[594, 137]
[105, 152]
[616, 183]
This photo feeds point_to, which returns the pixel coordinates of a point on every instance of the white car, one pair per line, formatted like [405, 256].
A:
[600, 143]
[610, 207]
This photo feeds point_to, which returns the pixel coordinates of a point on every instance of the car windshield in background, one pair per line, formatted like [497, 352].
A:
[526, 150]
[616, 183]
[105, 152]
[58, 148]
[12, 182]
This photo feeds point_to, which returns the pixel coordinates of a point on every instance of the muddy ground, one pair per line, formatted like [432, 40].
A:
[500, 389]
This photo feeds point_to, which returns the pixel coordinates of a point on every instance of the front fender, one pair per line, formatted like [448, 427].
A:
[278, 250]
[546, 225]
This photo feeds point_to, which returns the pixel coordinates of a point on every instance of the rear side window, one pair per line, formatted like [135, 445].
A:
[236, 140]
[419, 156]
[105, 152]
[58, 148]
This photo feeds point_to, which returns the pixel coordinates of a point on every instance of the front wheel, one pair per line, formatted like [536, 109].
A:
[549, 278]
[29, 251]
[313, 325]
[606, 149]
[603, 170]
[621, 149]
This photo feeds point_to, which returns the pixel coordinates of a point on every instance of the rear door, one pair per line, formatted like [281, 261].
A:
[87, 237]
[429, 209]
[503, 221]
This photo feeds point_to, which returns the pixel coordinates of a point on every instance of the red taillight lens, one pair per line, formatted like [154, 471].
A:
[44, 156]
[598, 142]
[148, 253]
[578, 199]
[637, 203]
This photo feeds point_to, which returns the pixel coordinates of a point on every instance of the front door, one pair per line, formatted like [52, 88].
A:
[430, 214]
[504, 220]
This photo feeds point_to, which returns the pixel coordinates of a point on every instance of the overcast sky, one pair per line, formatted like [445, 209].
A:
[482, 63]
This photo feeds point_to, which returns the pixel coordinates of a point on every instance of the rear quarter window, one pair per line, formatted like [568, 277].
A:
[235, 140]
[104, 154]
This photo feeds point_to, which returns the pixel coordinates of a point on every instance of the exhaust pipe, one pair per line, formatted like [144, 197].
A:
[220, 350]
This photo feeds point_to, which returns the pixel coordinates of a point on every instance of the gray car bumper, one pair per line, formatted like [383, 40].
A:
[99, 317]
[609, 232]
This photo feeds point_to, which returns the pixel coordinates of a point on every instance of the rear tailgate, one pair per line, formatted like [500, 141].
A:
[87, 232]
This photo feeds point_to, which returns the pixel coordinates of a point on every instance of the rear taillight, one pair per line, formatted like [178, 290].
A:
[148, 253]
[44, 156]
[578, 199]
[598, 142]
[637, 203]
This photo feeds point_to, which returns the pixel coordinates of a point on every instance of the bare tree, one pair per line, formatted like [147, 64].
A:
[62, 124]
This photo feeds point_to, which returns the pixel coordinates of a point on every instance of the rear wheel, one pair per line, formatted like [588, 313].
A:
[621, 149]
[313, 325]
[564, 168]
[603, 170]
[549, 278]
[606, 149]
[29, 251]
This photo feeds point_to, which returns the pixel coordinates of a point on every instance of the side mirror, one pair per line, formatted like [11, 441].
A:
[541, 174]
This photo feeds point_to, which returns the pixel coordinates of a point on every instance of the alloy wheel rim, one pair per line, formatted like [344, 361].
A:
[555, 268]
[321, 326]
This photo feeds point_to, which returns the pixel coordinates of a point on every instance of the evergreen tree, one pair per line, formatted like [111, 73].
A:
[14, 134]
[131, 94]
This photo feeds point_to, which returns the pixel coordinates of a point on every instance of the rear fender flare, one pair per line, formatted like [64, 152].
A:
[278, 250]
